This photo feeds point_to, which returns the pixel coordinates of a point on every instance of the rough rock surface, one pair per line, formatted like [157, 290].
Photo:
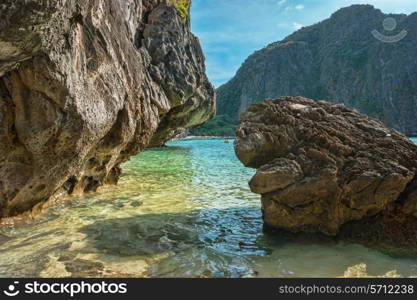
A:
[86, 84]
[337, 60]
[321, 166]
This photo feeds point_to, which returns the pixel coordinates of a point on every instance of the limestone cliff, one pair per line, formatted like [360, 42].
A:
[86, 84]
[337, 60]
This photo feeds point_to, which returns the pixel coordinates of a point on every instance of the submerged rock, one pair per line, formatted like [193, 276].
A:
[321, 166]
[86, 84]
[360, 271]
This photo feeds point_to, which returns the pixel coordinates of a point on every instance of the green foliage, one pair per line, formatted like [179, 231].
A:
[218, 126]
[183, 7]
[367, 107]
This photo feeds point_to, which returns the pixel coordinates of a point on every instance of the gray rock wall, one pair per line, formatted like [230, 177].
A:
[336, 60]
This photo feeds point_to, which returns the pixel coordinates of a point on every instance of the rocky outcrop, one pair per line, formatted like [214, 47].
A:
[86, 84]
[337, 60]
[322, 167]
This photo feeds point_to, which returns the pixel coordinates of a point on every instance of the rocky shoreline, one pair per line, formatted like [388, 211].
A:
[196, 137]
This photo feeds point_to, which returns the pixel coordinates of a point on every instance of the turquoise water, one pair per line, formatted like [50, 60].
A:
[181, 211]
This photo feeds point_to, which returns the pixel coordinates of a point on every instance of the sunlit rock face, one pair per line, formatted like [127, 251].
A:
[321, 166]
[86, 84]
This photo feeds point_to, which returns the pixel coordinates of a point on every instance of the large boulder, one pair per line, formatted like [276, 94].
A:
[85, 84]
[322, 165]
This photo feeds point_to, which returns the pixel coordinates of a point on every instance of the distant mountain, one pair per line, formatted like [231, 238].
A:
[340, 60]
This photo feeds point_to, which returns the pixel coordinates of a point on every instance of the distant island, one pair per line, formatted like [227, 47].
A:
[337, 60]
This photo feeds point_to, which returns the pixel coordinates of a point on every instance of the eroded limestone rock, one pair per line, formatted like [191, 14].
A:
[86, 84]
[321, 166]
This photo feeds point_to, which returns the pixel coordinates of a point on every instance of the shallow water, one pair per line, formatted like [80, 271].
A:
[181, 211]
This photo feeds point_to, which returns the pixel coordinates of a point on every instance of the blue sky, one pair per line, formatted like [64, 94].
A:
[231, 30]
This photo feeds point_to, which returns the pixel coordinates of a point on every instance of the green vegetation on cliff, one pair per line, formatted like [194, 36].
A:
[218, 126]
[183, 7]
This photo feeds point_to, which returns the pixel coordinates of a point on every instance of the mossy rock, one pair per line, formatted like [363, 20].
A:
[183, 7]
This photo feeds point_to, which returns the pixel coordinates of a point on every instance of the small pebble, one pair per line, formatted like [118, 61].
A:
[136, 203]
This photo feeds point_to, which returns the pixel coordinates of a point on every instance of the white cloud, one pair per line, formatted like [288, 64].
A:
[281, 2]
[297, 26]
[297, 7]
